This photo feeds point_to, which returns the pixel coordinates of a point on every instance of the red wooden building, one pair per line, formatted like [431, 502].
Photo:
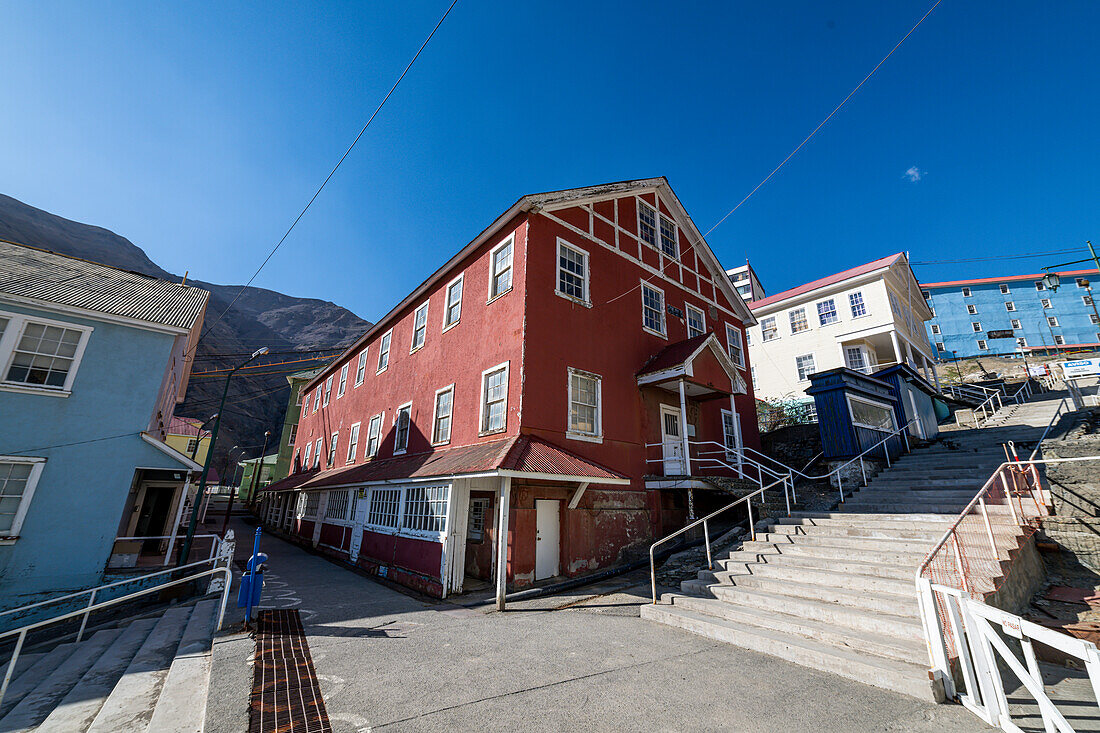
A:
[546, 379]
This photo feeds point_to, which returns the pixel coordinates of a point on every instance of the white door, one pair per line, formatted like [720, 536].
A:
[672, 444]
[547, 538]
[358, 510]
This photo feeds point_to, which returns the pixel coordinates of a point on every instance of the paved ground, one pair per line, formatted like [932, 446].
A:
[388, 661]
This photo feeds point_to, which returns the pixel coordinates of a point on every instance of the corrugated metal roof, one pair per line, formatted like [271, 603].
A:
[530, 454]
[28, 272]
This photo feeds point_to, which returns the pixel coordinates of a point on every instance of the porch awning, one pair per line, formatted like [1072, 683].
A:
[701, 362]
[524, 456]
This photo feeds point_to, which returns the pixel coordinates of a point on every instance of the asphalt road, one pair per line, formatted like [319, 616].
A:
[388, 661]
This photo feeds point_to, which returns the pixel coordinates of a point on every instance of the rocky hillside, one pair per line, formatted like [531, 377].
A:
[259, 318]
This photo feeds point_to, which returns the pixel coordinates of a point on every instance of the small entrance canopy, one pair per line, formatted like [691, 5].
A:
[703, 365]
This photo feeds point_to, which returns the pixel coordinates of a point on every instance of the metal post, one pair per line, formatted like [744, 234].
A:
[840, 486]
[863, 469]
[684, 430]
[959, 561]
[84, 619]
[706, 538]
[989, 529]
[752, 526]
[502, 540]
[253, 566]
[786, 496]
[11, 664]
[905, 434]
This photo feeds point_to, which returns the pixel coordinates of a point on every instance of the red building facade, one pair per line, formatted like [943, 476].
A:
[543, 386]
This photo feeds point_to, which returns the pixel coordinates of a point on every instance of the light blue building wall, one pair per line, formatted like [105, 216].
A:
[92, 445]
[1037, 318]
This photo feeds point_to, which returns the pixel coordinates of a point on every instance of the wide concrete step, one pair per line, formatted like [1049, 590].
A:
[853, 518]
[38, 702]
[858, 530]
[32, 675]
[78, 708]
[809, 575]
[940, 523]
[916, 507]
[890, 674]
[910, 557]
[889, 480]
[181, 707]
[898, 605]
[130, 705]
[901, 571]
[854, 545]
[903, 648]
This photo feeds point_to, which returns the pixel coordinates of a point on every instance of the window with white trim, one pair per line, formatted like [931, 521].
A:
[475, 525]
[313, 503]
[1021, 342]
[647, 223]
[653, 309]
[805, 366]
[426, 508]
[353, 442]
[1015, 323]
[384, 508]
[752, 373]
[855, 358]
[584, 404]
[1004, 289]
[328, 391]
[768, 330]
[982, 346]
[1045, 302]
[940, 346]
[494, 399]
[976, 325]
[855, 301]
[343, 381]
[935, 329]
[43, 354]
[374, 435]
[384, 351]
[18, 478]
[1082, 282]
[799, 323]
[337, 505]
[826, 312]
[669, 243]
[868, 414]
[1010, 306]
[1059, 340]
[306, 455]
[731, 434]
[500, 269]
[403, 422]
[966, 292]
[305, 404]
[298, 391]
[420, 327]
[361, 368]
[572, 272]
[696, 321]
[972, 310]
[1095, 319]
[290, 441]
[454, 303]
[1039, 285]
[444, 405]
[317, 397]
[332, 449]
[1052, 320]
[748, 337]
[1086, 300]
[734, 345]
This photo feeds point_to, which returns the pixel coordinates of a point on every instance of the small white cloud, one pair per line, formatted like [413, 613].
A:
[914, 174]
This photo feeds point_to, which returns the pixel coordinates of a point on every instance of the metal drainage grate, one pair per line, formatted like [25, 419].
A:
[286, 697]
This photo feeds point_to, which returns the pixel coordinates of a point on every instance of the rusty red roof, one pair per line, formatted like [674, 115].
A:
[825, 281]
[673, 355]
[524, 454]
[1007, 278]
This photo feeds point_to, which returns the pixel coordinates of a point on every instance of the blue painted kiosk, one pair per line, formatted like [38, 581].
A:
[914, 399]
[854, 411]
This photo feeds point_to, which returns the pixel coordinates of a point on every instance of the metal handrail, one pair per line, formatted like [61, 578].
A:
[706, 532]
[23, 630]
[723, 449]
[168, 552]
[1053, 419]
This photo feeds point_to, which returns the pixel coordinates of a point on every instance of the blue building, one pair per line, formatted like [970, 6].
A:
[92, 363]
[1010, 315]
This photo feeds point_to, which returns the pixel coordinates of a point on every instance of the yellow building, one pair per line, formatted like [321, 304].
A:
[186, 435]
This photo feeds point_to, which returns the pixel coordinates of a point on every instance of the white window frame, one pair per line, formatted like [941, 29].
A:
[436, 417]
[764, 331]
[374, 432]
[940, 346]
[852, 303]
[977, 326]
[298, 400]
[1039, 285]
[307, 455]
[317, 397]
[586, 300]
[13, 334]
[330, 457]
[483, 428]
[342, 386]
[422, 331]
[510, 241]
[656, 243]
[353, 442]
[397, 428]
[597, 436]
[36, 464]
[290, 440]
[935, 329]
[804, 321]
[661, 220]
[689, 311]
[349, 499]
[983, 345]
[460, 281]
[317, 448]
[1015, 323]
[1082, 282]
[425, 533]
[971, 309]
[850, 398]
[821, 315]
[1086, 300]
[738, 356]
[1059, 340]
[731, 455]
[1005, 290]
[361, 368]
[385, 345]
[1045, 302]
[328, 391]
[813, 362]
[1021, 342]
[385, 528]
[966, 292]
[1094, 319]
[663, 333]
[1052, 321]
[1010, 306]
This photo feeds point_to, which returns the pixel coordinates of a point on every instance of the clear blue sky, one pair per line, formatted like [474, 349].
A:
[199, 130]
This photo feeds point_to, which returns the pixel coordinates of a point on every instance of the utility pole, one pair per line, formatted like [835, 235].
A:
[255, 479]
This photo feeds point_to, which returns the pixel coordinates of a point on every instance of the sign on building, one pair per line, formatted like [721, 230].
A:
[1081, 368]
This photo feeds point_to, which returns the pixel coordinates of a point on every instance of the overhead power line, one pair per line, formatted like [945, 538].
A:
[335, 167]
[1001, 257]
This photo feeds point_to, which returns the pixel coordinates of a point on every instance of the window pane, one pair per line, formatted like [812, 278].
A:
[872, 416]
[798, 320]
[668, 237]
[647, 223]
[653, 308]
[426, 508]
[571, 273]
[826, 312]
[43, 355]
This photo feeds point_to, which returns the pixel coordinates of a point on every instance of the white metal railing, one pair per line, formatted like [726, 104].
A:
[22, 631]
[214, 545]
[742, 465]
[839, 470]
[1063, 408]
[1080, 395]
[1022, 395]
[785, 480]
[968, 559]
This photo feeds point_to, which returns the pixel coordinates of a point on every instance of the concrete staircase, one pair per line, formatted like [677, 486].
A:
[150, 675]
[835, 590]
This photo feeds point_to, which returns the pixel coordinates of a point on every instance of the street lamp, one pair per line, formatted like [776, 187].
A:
[186, 549]
[955, 356]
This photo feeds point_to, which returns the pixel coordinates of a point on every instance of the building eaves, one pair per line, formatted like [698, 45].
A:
[825, 282]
